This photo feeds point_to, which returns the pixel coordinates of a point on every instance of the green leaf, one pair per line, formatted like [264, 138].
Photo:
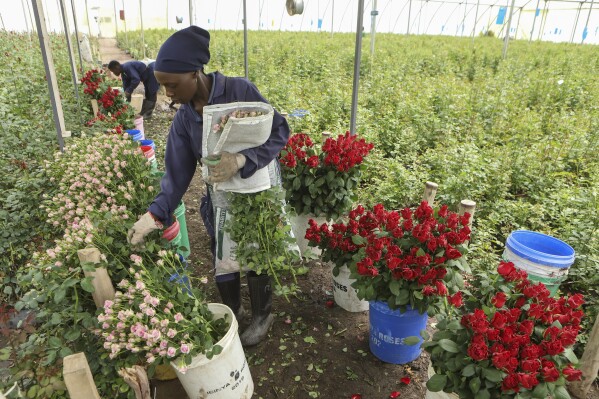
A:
[309, 340]
[469, 370]
[59, 295]
[449, 346]
[436, 383]
[483, 394]
[54, 342]
[541, 391]
[87, 285]
[358, 240]
[474, 384]
[411, 340]
[394, 287]
[571, 356]
[561, 393]
[492, 375]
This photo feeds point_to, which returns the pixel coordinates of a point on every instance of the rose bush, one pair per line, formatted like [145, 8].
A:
[511, 339]
[408, 258]
[323, 181]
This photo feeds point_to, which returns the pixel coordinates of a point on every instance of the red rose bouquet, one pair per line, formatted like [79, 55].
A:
[93, 82]
[512, 339]
[322, 181]
[411, 258]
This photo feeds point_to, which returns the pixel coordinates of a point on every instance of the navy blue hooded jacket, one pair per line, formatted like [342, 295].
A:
[184, 145]
[133, 72]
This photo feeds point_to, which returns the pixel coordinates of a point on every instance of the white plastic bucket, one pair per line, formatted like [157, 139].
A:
[299, 225]
[345, 295]
[226, 375]
[438, 395]
[546, 259]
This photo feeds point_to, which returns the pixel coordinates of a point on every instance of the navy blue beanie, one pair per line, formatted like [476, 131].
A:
[185, 51]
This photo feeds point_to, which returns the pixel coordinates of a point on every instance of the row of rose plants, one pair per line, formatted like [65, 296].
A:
[102, 184]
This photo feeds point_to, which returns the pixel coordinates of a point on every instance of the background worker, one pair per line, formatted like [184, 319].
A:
[133, 72]
[180, 69]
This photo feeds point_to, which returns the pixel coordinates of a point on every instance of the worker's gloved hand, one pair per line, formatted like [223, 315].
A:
[144, 226]
[223, 166]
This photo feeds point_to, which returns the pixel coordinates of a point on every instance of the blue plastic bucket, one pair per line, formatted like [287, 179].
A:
[135, 134]
[148, 142]
[546, 259]
[389, 328]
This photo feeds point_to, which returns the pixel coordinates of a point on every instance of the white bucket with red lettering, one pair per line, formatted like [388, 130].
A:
[226, 375]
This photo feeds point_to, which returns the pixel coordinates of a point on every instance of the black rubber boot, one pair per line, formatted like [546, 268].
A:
[147, 108]
[262, 319]
[230, 293]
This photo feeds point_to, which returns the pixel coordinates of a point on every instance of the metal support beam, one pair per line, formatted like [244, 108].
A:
[543, 21]
[357, 61]
[141, 23]
[245, 40]
[464, 19]
[534, 20]
[81, 67]
[116, 20]
[507, 33]
[191, 18]
[373, 15]
[125, 25]
[576, 22]
[409, 16]
[475, 20]
[518, 23]
[42, 33]
[332, 16]
[586, 25]
[65, 21]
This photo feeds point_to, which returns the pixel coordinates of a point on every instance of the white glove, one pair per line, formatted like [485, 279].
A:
[144, 226]
[228, 164]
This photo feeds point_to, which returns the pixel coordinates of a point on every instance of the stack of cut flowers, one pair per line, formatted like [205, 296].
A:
[511, 340]
[411, 258]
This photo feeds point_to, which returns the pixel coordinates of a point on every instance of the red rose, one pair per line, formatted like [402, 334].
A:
[456, 299]
[498, 320]
[575, 301]
[511, 383]
[550, 373]
[571, 373]
[441, 288]
[506, 268]
[478, 349]
[528, 381]
[499, 300]
[530, 365]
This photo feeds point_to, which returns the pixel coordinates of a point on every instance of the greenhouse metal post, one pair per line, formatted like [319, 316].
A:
[116, 20]
[533, 22]
[586, 25]
[576, 22]
[507, 33]
[125, 25]
[67, 35]
[357, 61]
[409, 16]
[245, 41]
[332, 16]
[42, 33]
[190, 12]
[373, 15]
[77, 35]
[475, 20]
[141, 23]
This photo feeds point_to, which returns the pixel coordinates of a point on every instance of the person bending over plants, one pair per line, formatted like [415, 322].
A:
[179, 67]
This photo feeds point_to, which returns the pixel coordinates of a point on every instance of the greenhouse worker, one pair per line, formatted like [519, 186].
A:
[132, 73]
[180, 68]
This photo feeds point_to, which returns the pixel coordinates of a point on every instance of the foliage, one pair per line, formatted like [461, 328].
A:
[157, 321]
[261, 231]
[100, 182]
[323, 182]
[511, 339]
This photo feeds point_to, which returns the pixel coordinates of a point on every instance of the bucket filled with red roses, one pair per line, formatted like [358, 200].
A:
[409, 265]
[321, 181]
[510, 340]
